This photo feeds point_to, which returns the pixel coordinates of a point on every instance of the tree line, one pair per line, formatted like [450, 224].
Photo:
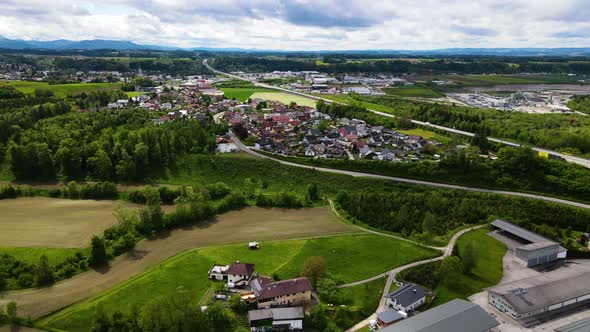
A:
[422, 214]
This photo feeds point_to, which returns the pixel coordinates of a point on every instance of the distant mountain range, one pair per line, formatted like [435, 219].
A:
[122, 45]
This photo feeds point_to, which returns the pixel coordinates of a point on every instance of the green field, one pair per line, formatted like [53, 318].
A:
[487, 272]
[134, 93]
[343, 255]
[413, 91]
[60, 90]
[489, 80]
[31, 255]
[285, 98]
[241, 94]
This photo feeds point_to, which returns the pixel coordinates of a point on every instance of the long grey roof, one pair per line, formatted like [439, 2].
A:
[518, 231]
[291, 313]
[582, 325]
[408, 294]
[453, 316]
[545, 289]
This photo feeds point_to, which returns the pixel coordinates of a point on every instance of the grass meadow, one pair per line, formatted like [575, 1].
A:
[413, 91]
[60, 90]
[343, 255]
[487, 272]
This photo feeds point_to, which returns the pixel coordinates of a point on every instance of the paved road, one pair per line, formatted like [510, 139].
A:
[573, 159]
[448, 250]
[246, 149]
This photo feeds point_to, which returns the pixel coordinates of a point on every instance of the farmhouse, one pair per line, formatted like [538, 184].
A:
[548, 294]
[407, 298]
[539, 250]
[453, 316]
[291, 292]
[239, 274]
[282, 318]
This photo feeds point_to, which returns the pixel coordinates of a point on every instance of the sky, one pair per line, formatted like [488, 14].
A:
[305, 24]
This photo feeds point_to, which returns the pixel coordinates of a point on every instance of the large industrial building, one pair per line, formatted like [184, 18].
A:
[539, 250]
[454, 316]
[532, 300]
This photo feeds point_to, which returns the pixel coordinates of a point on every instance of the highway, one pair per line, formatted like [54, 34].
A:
[573, 159]
[253, 152]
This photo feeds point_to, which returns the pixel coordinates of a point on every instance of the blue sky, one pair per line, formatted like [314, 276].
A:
[305, 24]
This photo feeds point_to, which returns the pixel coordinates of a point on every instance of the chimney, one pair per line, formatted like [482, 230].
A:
[415, 291]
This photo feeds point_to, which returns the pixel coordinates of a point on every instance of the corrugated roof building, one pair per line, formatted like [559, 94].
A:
[456, 315]
[539, 251]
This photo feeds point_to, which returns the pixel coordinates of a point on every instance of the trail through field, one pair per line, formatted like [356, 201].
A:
[249, 224]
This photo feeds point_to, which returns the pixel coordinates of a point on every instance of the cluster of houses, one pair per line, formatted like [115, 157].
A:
[277, 304]
[303, 131]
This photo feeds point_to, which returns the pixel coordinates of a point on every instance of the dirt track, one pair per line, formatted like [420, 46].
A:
[249, 224]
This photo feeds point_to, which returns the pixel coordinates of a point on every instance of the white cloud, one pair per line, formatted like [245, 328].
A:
[305, 24]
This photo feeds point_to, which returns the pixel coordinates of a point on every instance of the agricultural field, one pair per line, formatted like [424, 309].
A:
[487, 272]
[248, 224]
[490, 80]
[342, 253]
[285, 98]
[242, 94]
[413, 91]
[131, 94]
[54, 223]
[60, 90]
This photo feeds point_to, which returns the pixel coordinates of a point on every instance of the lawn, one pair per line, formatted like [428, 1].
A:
[413, 91]
[487, 272]
[60, 90]
[31, 255]
[242, 94]
[54, 223]
[285, 258]
[285, 98]
[345, 254]
[131, 94]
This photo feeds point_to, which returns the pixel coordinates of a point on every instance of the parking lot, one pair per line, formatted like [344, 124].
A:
[513, 270]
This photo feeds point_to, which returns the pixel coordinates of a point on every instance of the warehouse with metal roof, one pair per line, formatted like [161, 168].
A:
[539, 249]
[453, 316]
[530, 299]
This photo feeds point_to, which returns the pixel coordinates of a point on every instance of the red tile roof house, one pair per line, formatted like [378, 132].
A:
[284, 293]
[239, 274]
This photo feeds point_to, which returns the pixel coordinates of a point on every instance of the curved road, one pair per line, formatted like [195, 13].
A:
[391, 277]
[246, 149]
[573, 159]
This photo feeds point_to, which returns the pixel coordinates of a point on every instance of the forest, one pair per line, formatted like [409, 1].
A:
[465, 65]
[423, 214]
[52, 141]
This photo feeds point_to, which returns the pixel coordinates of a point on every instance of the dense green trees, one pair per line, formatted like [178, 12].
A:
[98, 254]
[580, 104]
[410, 212]
[105, 145]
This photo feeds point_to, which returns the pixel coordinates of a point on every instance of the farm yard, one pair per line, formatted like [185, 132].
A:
[60, 90]
[54, 223]
[342, 253]
[240, 226]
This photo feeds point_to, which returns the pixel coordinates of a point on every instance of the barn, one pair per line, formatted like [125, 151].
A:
[537, 250]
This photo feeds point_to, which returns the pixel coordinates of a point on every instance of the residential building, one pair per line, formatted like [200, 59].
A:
[239, 274]
[291, 292]
[389, 317]
[407, 298]
[454, 316]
